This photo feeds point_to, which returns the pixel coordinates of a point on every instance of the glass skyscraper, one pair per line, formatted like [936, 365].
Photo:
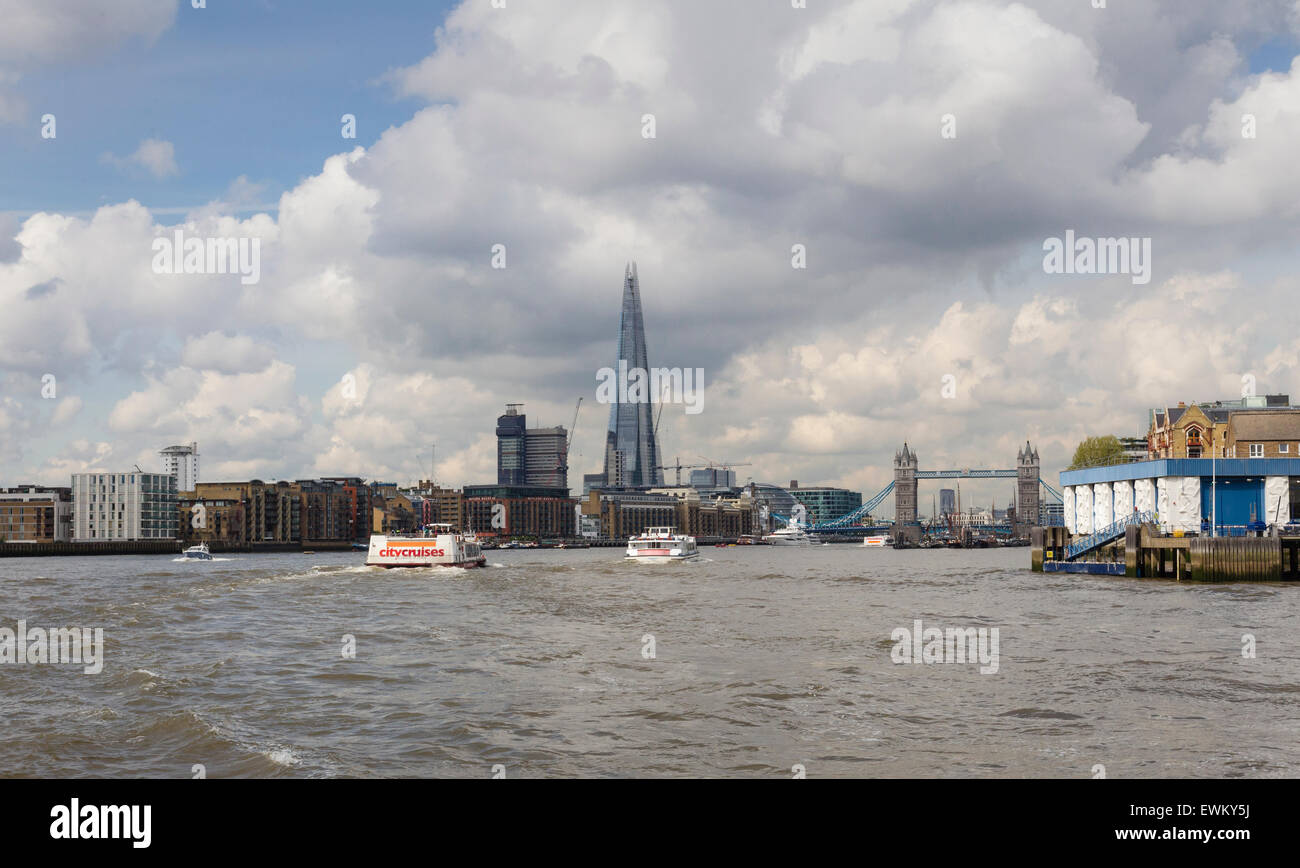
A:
[631, 453]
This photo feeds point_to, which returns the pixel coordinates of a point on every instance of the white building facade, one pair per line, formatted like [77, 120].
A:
[123, 506]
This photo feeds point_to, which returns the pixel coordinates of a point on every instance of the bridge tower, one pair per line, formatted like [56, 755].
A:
[905, 525]
[1027, 468]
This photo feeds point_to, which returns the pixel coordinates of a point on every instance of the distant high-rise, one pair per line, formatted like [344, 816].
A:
[546, 461]
[511, 446]
[947, 501]
[531, 456]
[183, 463]
[631, 453]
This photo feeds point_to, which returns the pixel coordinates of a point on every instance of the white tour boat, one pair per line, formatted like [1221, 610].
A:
[197, 553]
[659, 545]
[879, 541]
[437, 545]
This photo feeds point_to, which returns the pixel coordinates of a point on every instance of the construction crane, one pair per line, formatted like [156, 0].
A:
[574, 426]
[679, 466]
[562, 461]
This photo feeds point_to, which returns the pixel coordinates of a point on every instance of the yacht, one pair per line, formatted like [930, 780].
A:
[435, 545]
[658, 545]
[794, 535]
[197, 553]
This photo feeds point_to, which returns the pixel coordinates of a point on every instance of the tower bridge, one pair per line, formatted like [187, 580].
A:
[904, 488]
[907, 472]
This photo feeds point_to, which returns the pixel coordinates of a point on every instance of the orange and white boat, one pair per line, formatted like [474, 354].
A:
[879, 541]
[437, 545]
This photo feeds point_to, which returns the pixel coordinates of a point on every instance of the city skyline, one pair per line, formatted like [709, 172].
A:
[380, 323]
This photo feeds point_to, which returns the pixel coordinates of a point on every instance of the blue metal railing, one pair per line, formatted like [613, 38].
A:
[857, 514]
[1106, 534]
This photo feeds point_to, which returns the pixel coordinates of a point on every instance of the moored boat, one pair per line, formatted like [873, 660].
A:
[878, 541]
[657, 545]
[436, 545]
[794, 535]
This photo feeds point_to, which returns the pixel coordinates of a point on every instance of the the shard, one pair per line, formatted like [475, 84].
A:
[631, 453]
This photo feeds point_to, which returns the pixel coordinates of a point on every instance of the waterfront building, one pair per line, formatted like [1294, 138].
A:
[1183, 493]
[123, 506]
[1263, 434]
[35, 513]
[631, 450]
[395, 514]
[1190, 431]
[519, 510]
[211, 520]
[826, 503]
[361, 501]
[770, 501]
[183, 463]
[625, 513]
[326, 511]
[272, 510]
[440, 505]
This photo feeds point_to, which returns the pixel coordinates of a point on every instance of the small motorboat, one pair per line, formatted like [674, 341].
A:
[197, 553]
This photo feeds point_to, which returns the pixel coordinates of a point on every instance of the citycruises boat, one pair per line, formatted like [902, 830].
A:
[197, 553]
[659, 545]
[435, 545]
[794, 535]
[879, 541]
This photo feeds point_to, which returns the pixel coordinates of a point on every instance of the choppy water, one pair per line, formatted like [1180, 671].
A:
[765, 658]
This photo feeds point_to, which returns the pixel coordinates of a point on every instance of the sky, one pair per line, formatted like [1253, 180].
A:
[918, 152]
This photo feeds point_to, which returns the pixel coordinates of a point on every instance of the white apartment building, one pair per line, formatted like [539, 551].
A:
[123, 506]
[183, 463]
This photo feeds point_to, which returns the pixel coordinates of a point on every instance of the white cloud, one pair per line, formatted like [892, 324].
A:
[819, 126]
[155, 156]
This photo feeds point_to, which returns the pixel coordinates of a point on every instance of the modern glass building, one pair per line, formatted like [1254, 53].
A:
[511, 446]
[631, 453]
[825, 503]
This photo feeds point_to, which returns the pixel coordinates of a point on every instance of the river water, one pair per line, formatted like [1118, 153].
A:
[764, 659]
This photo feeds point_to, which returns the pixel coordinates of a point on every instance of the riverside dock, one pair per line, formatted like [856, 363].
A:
[1186, 519]
[1144, 552]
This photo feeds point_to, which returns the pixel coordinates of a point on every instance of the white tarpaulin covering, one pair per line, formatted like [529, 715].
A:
[1123, 499]
[1067, 503]
[1164, 502]
[1083, 509]
[1187, 504]
[1103, 504]
[1277, 499]
[1144, 495]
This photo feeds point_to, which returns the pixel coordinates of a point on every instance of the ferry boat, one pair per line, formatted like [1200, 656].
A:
[879, 541]
[658, 545]
[794, 535]
[197, 553]
[436, 545]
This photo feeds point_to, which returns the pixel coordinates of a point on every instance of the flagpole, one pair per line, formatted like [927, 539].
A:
[1214, 486]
